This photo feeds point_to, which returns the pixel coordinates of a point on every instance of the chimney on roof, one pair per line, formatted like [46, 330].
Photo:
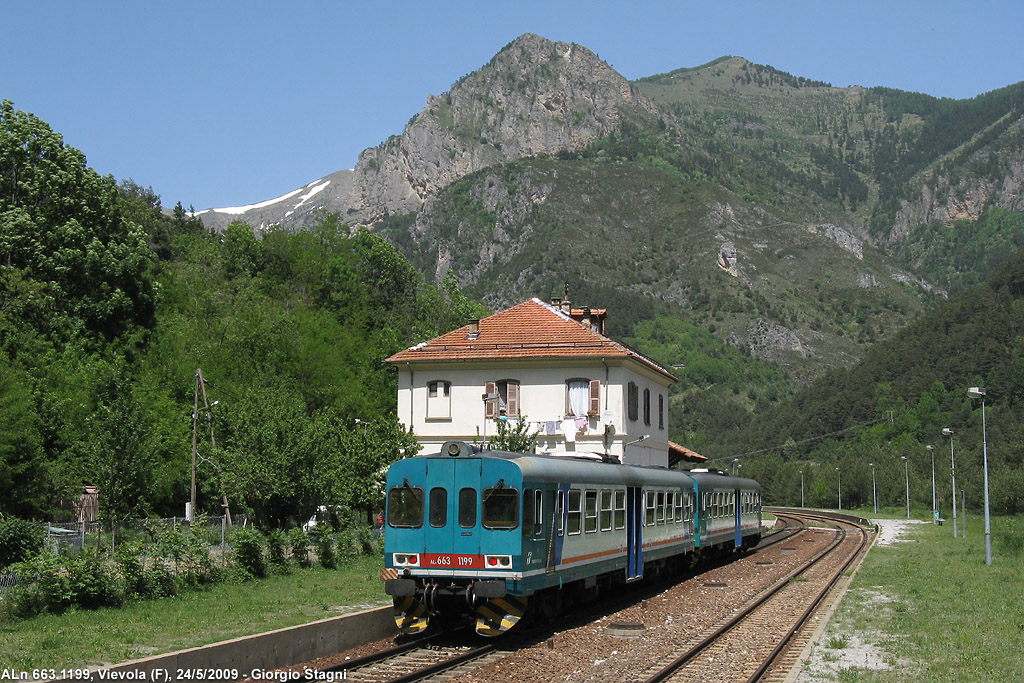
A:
[474, 329]
[592, 318]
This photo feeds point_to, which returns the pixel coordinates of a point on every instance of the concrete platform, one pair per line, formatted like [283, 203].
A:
[258, 653]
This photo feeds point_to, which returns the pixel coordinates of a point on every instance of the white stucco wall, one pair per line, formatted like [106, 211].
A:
[542, 398]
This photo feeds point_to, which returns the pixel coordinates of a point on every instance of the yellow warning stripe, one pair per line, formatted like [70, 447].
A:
[498, 615]
[410, 615]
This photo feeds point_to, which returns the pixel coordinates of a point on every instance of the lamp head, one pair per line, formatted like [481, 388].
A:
[976, 392]
[946, 431]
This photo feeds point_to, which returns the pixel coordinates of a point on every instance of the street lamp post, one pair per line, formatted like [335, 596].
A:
[979, 392]
[906, 466]
[935, 506]
[801, 488]
[874, 490]
[952, 469]
[840, 489]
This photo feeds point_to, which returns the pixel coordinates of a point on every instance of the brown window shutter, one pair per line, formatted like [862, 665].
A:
[490, 407]
[631, 400]
[512, 405]
[595, 397]
[661, 411]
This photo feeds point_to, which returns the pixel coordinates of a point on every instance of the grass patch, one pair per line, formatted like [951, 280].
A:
[934, 610]
[221, 611]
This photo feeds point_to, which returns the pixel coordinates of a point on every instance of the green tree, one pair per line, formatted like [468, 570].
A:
[63, 221]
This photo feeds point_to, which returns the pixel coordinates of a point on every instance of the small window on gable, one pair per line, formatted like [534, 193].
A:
[439, 401]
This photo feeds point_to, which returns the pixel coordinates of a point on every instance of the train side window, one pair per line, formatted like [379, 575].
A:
[678, 511]
[467, 508]
[405, 506]
[606, 510]
[559, 512]
[591, 511]
[438, 507]
[649, 512]
[501, 508]
[660, 508]
[575, 512]
[620, 509]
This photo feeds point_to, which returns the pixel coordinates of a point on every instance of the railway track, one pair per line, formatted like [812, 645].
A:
[420, 660]
[761, 641]
[767, 635]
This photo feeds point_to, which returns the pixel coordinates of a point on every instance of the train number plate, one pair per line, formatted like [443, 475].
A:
[452, 561]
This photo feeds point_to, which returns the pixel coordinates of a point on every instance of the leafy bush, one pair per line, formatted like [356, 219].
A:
[249, 544]
[298, 541]
[277, 539]
[18, 539]
[48, 582]
[324, 539]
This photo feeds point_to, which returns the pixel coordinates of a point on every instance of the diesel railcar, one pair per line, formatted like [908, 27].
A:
[490, 532]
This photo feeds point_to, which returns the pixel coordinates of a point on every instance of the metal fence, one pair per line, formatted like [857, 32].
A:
[71, 537]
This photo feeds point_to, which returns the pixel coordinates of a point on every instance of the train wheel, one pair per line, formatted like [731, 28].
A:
[410, 614]
[498, 615]
[549, 605]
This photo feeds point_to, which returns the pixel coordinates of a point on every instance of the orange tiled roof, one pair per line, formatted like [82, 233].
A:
[532, 329]
[684, 453]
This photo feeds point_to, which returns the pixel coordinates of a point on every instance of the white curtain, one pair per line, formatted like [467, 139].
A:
[579, 396]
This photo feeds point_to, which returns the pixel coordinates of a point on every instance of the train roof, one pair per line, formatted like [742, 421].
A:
[719, 479]
[561, 468]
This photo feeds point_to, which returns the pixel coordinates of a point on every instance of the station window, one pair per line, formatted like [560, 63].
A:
[405, 506]
[620, 509]
[438, 507]
[501, 507]
[439, 400]
[467, 508]
[507, 404]
[575, 512]
[606, 510]
[590, 522]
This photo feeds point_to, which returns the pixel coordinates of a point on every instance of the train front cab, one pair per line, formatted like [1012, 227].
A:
[453, 542]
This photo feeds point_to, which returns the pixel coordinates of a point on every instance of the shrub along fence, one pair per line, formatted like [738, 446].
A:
[46, 569]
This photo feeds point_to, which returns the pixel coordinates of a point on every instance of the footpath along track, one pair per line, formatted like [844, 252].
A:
[751, 645]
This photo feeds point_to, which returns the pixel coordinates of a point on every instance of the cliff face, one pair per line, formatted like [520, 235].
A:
[536, 96]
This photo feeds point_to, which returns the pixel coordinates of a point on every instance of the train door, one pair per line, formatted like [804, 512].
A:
[737, 517]
[634, 533]
[453, 507]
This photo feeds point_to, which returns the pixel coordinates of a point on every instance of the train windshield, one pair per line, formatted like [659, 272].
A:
[405, 506]
[501, 507]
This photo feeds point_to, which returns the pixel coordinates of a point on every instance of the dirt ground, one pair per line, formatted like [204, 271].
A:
[839, 647]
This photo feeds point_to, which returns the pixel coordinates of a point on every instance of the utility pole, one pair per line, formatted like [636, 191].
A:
[201, 388]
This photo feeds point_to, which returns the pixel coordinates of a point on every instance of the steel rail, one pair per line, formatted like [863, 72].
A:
[691, 653]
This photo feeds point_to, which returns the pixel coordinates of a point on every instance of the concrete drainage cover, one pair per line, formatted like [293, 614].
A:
[625, 629]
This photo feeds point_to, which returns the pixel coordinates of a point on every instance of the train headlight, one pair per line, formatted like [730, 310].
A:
[497, 561]
[406, 560]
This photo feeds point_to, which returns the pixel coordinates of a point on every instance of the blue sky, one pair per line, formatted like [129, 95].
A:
[224, 103]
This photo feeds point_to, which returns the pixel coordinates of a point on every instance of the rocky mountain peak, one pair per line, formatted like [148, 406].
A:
[535, 96]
